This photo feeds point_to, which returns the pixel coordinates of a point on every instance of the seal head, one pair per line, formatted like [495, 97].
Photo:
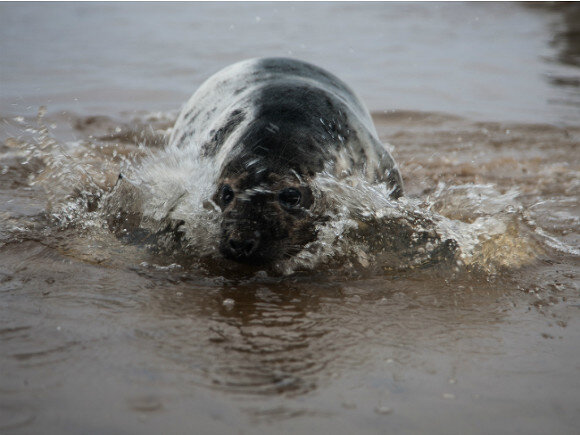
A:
[264, 192]
[265, 217]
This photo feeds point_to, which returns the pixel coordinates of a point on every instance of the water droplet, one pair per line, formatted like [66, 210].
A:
[383, 410]
[228, 303]
[146, 404]
[355, 299]
[261, 274]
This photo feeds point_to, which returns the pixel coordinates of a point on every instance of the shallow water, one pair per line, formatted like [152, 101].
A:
[496, 62]
[103, 334]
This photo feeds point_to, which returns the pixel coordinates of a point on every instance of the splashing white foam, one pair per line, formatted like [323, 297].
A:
[169, 190]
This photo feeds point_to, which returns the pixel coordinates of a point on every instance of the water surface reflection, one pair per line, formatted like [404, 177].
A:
[292, 335]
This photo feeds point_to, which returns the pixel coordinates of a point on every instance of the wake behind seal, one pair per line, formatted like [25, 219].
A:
[271, 126]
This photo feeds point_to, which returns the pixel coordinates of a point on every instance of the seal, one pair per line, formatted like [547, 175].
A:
[269, 126]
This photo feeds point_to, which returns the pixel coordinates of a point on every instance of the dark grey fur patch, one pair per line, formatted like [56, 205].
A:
[211, 147]
[290, 67]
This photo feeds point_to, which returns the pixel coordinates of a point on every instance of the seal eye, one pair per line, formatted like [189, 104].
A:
[290, 197]
[226, 195]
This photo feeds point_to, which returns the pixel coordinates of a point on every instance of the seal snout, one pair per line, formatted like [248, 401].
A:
[242, 247]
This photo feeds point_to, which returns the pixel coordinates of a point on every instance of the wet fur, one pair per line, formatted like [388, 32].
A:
[256, 208]
[271, 125]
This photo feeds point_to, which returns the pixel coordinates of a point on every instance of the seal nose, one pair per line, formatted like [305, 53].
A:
[243, 248]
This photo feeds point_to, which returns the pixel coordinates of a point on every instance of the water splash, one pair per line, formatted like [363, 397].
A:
[74, 174]
[169, 193]
[369, 228]
[166, 193]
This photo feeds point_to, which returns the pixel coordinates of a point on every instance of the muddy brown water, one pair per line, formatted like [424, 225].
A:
[102, 335]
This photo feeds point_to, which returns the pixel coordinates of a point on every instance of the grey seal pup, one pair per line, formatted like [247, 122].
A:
[270, 126]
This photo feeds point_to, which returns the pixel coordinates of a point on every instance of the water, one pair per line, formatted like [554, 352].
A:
[380, 325]
[501, 62]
